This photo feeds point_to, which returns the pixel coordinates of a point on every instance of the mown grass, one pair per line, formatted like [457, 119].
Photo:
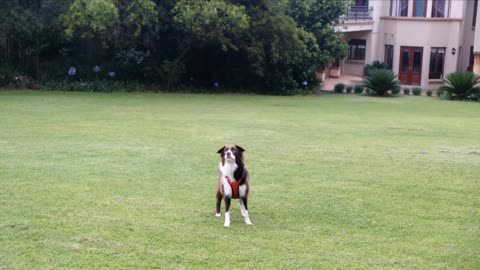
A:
[122, 181]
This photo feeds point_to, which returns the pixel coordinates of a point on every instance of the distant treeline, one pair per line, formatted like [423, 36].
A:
[265, 46]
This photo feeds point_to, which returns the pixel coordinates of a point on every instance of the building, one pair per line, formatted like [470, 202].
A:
[420, 40]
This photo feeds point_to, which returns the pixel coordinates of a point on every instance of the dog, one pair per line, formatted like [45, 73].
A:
[233, 182]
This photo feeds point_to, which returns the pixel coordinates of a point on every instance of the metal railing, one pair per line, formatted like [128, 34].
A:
[357, 13]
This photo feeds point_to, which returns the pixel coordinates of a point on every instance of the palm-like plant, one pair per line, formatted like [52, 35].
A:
[461, 85]
[374, 65]
[381, 81]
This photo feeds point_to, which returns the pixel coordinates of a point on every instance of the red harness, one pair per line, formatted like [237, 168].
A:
[235, 187]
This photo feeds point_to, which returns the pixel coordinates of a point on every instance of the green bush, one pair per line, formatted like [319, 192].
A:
[416, 91]
[429, 93]
[339, 87]
[8, 72]
[382, 82]
[104, 86]
[406, 91]
[445, 95]
[461, 85]
[358, 89]
[374, 65]
[440, 92]
[349, 89]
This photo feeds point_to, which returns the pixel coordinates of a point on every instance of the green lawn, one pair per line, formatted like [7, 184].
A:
[119, 181]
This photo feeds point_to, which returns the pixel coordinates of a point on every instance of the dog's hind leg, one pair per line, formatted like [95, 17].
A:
[218, 212]
[244, 207]
[243, 190]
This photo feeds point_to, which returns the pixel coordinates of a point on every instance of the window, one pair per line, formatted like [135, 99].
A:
[389, 56]
[356, 49]
[399, 8]
[437, 60]
[419, 8]
[475, 6]
[361, 3]
[440, 8]
[471, 60]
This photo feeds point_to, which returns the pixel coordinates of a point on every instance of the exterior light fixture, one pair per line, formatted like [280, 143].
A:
[454, 51]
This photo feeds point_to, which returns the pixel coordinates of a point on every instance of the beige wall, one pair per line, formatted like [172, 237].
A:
[467, 39]
[476, 48]
[425, 33]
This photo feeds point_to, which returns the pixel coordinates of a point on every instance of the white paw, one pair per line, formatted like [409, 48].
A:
[227, 219]
[218, 214]
[247, 221]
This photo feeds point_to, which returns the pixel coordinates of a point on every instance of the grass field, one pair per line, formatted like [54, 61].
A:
[127, 181]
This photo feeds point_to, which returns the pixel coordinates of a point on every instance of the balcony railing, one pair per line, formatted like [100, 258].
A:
[357, 13]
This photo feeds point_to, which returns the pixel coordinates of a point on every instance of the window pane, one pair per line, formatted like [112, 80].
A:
[389, 56]
[357, 49]
[361, 52]
[437, 59]
[445, 8]
[403, 8]
[420, 8]
[433, 55]
[405, 60]
[417, 61]
[440, 8]
[394, 5]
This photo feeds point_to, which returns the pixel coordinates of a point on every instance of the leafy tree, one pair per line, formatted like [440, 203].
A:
[120, 22]
[318, 17]
[29, 26]
[270, 46]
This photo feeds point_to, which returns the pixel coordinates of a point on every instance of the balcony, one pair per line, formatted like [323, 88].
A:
[357, 18]
[357, 13]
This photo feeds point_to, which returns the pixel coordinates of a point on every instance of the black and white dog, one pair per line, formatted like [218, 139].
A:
[233, 181]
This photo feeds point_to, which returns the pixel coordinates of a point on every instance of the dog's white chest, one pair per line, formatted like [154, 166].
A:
[227, 170]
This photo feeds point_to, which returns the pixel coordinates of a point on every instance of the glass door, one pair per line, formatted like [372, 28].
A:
[410, 71]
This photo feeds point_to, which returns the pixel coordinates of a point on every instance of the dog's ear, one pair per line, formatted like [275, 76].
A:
[221, 150]
[240, 148]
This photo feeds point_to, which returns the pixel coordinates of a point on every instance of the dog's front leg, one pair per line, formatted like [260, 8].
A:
[228, 199]
[218, 212]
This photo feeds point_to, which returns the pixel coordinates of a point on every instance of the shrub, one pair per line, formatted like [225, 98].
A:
[440, 92]
[406, 91]
[445, 95]
[349, 89]
[8, 73]
[416, 91]
[374, 65]
[381, 81]
[396, 91]
[339, 87]
[461, 85]
[358, 89]
[98, 86]
[429, 93]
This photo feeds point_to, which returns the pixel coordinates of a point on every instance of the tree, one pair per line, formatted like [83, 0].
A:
[270, 46]
[26, 29]
[319, 17]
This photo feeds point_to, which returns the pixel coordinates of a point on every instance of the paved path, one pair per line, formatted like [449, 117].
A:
[329, 83]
